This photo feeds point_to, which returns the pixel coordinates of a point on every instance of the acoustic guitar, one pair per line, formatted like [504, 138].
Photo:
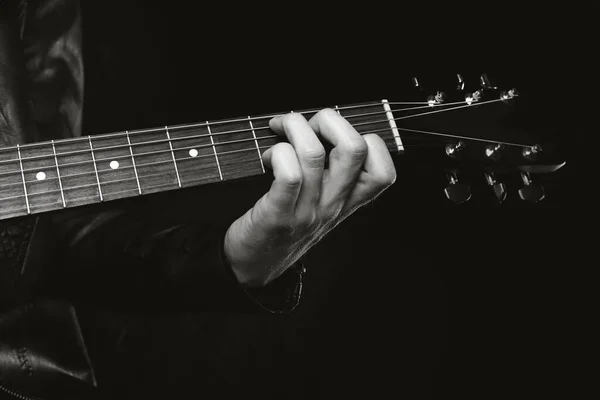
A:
[473, 128]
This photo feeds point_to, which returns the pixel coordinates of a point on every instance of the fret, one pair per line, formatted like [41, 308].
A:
[77, 171]
[137, 179]
[154, 161]
[235, 145]
[41, 177]
[173, 155]
[24, 183]
[212, 141]
[73, 172]
[115, 165]
[62, 193]
[194, 154]
[12, 190]
[370, 118]
[265, 137]
[395, 132]
[262, 165]
[95, 168]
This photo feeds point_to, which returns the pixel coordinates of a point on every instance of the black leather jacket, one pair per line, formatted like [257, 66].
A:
[117, 259]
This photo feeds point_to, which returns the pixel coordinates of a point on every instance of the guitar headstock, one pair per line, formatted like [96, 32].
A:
[478, 130]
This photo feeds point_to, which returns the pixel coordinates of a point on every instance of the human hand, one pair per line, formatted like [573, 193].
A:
[306, 201]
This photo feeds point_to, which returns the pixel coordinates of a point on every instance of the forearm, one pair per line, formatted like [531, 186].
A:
[127, 260]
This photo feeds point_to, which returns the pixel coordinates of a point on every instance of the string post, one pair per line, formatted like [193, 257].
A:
[531, 153]
[494, 151]
[455, 150]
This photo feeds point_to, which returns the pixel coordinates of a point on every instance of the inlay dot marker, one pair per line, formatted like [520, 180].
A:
[193, 153]
[40, 176]
[114, 164]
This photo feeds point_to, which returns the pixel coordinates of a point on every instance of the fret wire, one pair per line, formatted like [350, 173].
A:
[62, 194]
[422, 105]
[161, 151]
[137, 179]
[173, 155]
[262, 128]
[256, 141]
[95, 168]
[128, 179]
[23, 177]
[160, 173]
[214, 149]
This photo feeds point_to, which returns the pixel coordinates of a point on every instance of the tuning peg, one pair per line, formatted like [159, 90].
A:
[531, 192]
[485, 82]
[460, 85]
[415, 83]
[457, 192]
[498, 187]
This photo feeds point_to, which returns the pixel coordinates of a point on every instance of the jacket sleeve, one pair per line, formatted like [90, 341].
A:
[156, 264]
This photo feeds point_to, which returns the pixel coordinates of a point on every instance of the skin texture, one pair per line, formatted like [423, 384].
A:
[306, 201]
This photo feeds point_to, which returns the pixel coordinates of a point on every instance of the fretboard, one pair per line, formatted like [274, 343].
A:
[48, 176]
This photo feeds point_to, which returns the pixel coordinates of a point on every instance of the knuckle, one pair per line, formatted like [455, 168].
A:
[315, 157]
[292, 181]
[385, 179]
[357, 149]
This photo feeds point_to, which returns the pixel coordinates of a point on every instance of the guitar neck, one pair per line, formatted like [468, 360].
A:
[48, 176]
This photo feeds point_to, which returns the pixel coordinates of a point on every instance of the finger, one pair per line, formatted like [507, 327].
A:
[283, 194]
[345, 159]
[379, 173]
[310, 154]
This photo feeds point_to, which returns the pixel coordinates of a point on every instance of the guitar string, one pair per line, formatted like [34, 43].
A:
[160, 141]
[107, 193]
[169, 161]
[204, 124]
[262, 128]
[155, 152]
[434, 133]
[195, 147]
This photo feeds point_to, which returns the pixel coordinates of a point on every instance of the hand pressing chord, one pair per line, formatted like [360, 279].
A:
[306, 201]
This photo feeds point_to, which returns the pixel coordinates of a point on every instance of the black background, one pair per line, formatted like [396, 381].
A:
[410, 297]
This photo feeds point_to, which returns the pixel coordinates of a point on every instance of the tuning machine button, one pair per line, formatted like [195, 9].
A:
[460, 85]
[498, 187]
[415, 83]
[531, 192]
[457, 192]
